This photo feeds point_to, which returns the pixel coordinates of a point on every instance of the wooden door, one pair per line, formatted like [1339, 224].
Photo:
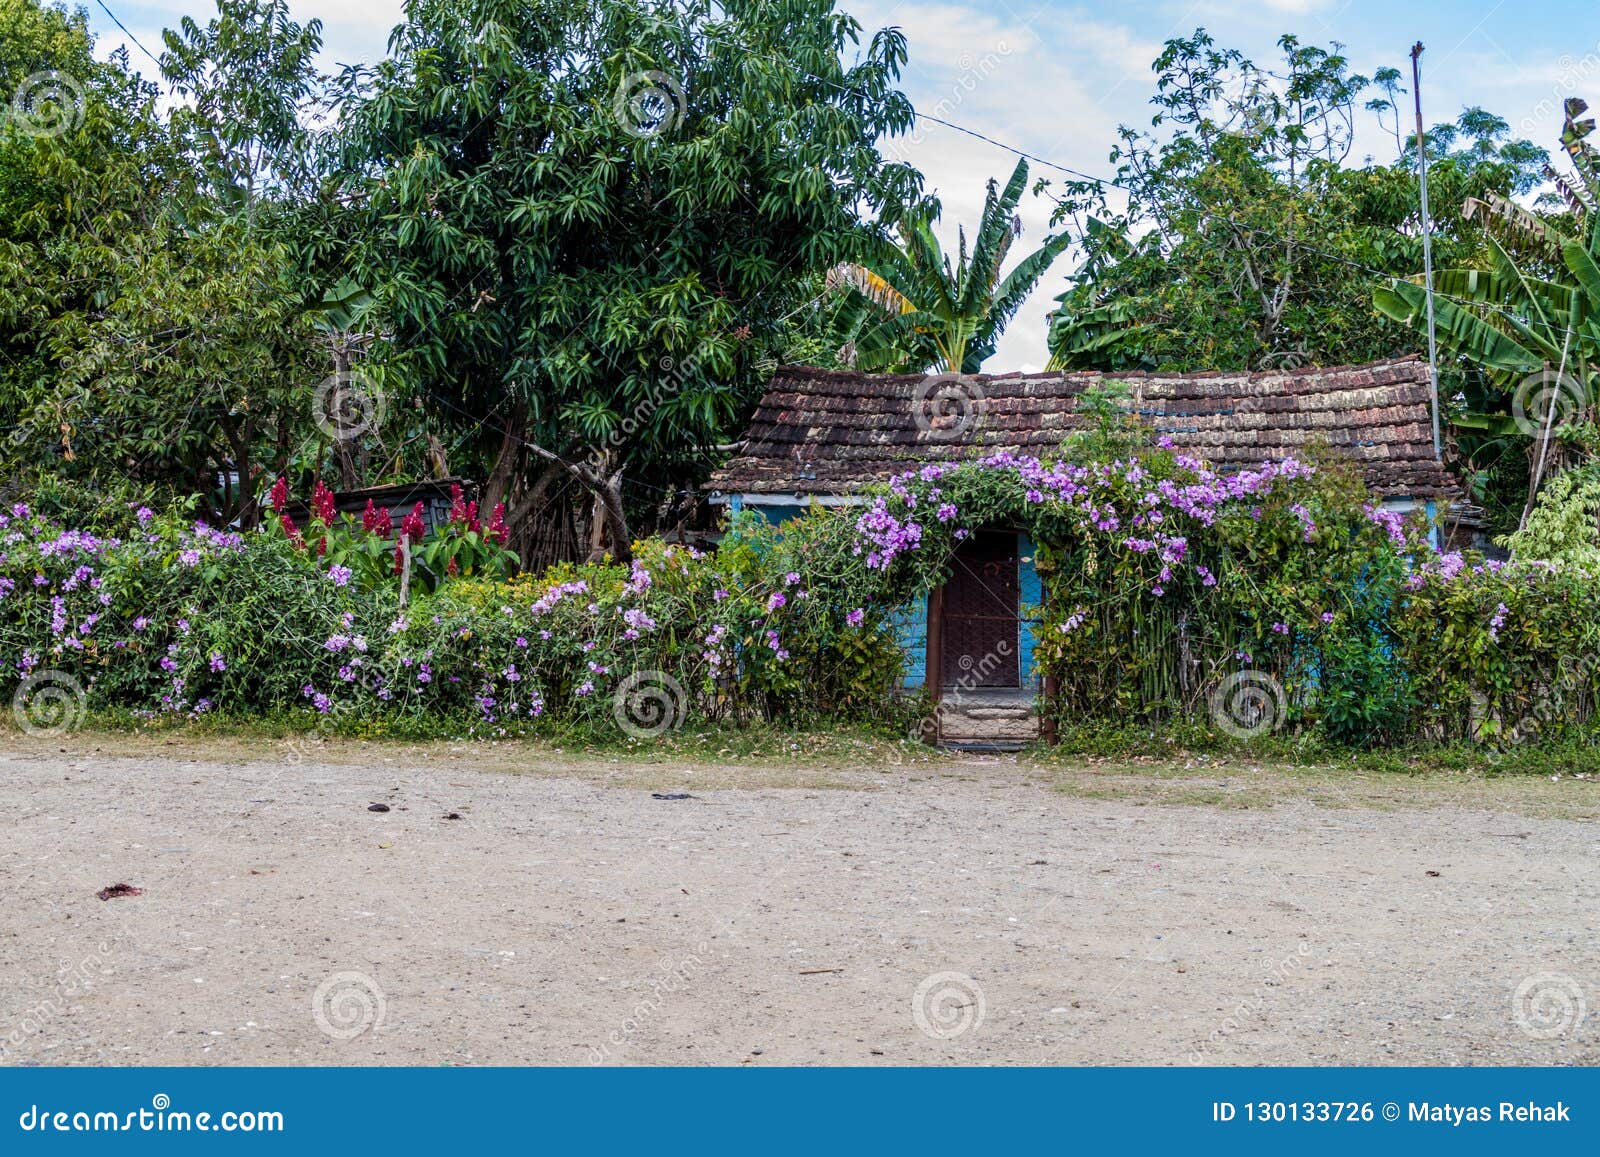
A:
[980, 614]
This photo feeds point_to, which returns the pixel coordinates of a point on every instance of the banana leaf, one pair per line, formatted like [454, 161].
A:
[1460, 331]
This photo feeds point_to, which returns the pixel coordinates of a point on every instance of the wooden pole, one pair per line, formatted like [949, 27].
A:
[1427, 246]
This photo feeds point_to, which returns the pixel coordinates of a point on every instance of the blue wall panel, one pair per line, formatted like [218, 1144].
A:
[1032, 595]
[777, 513]
[911, 632]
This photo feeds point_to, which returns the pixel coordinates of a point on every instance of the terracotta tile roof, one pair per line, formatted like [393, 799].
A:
[831, 432]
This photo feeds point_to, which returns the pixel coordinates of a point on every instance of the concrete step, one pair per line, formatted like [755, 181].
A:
[998, 719]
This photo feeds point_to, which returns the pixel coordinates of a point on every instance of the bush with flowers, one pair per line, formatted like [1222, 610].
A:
[172, 617]
[1503, 653]
[1164, 580]
[1163, 576]
[732, 636]
[176, 619]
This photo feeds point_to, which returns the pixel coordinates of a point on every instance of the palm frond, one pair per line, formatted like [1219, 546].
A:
[907, 343]
[1020, 282]
[871, 286]
[998, 228]
[1587, 270]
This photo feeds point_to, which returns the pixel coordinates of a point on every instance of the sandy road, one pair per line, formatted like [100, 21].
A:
[564, 920]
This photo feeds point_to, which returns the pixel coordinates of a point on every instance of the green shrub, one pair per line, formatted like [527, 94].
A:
[177, 619]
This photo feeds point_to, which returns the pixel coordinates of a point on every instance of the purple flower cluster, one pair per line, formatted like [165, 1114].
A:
[1118, 498]
[1392, 521]
[547, 602]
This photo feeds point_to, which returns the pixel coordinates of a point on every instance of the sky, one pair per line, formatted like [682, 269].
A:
[1054, 78]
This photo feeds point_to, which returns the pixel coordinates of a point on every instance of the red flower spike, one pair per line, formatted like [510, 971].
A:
[458, 503]
[497, 525]
[472, 516]
[412, 527]
[375, 521]
[291, 530]
[322, 504]
[278, 498]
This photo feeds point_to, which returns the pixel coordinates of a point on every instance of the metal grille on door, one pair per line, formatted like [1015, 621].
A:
[980, 614]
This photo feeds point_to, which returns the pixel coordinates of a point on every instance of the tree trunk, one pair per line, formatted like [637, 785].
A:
[537, 521]
[597, 528]
[437, 462]
[240, 503]
[343, 447]
[504, 473]
[607, 520]
[609, 525]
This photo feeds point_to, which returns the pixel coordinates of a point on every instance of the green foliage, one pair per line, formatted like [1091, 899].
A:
[1531, 307]
[585, 220]
[1504, 655]
[248, 78]
[149, 305]
[1564, 524]
[1249, 241]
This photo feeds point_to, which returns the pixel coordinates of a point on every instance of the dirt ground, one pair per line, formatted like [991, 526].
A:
[519, 906]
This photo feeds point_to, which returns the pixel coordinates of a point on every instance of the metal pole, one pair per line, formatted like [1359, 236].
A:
[1427, 246]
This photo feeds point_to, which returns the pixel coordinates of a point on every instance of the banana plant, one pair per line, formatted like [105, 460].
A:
[942, 316]
[1535, 308]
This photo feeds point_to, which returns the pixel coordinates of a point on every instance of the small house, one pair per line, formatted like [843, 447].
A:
[822, 436]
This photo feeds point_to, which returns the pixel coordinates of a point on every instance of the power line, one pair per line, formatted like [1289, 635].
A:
[1049, 164]
[127, 33]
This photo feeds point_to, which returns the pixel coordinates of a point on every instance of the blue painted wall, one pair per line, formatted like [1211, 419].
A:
[1032, 596]
[777, 513]
[911, 632]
